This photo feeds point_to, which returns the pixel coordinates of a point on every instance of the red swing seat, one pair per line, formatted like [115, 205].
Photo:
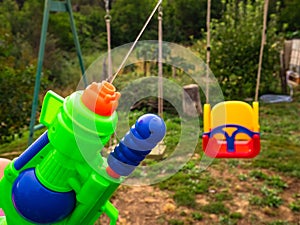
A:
[231, 130]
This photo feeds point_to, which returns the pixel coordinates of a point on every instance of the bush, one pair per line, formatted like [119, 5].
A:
[15, 103]
[235, 47]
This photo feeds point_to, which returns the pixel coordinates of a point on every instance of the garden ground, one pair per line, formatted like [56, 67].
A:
[260, 191]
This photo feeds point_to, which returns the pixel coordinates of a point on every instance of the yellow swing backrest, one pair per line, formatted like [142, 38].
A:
[231, 112]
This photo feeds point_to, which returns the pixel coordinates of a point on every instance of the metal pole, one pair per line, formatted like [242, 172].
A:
[76, 41]
[39, 69]
[55, 6]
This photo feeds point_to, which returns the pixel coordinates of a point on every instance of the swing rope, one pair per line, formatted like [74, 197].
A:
[160, 65]
[207, 48]
[107, 21]
[238, 116]
[263, 42]
[112, 78]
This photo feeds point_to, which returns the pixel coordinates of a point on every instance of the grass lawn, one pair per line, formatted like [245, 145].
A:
[264, 190]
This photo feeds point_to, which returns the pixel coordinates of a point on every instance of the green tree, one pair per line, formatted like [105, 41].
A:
[16, 88]
[128, 18]
[184, 20]
[291, 17]
[235, 46]
[16, 74]
[92, 28]
[15, 101]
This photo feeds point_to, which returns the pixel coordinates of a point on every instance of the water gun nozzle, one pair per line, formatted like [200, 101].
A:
[101, 98]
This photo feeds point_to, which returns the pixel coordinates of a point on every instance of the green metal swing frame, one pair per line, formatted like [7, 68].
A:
[52, 6]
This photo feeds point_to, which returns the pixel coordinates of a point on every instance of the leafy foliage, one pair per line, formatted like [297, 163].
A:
[290, 17]
[128, 18]
[183, 20]
[215, 208]
[16, 86]
[16, 77]
[270, 198]
[235, 41]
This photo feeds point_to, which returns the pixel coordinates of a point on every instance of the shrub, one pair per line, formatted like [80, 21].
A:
[235, 47]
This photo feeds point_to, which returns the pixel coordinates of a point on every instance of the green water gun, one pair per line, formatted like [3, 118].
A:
[62, 178]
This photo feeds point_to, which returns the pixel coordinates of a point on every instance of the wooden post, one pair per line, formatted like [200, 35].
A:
[287, 53]
[285, 57]
[192, 91]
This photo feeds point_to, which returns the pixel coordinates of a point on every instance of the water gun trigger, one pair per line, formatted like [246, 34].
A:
[51, 105]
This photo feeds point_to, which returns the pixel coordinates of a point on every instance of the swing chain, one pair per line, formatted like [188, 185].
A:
[107, 17]
[160, 12]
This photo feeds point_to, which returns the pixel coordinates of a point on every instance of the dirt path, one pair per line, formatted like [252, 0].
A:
[149, 205]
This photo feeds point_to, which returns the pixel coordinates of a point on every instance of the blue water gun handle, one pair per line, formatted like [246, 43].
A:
[143, 136]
